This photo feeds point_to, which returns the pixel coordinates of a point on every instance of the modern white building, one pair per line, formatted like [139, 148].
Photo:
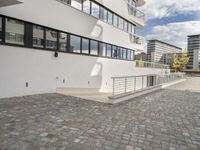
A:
[48, 44]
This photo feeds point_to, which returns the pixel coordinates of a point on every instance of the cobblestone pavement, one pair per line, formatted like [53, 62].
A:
[164, 120]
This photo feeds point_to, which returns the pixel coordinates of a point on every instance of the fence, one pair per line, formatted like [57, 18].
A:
[144, 64]
[127, 84]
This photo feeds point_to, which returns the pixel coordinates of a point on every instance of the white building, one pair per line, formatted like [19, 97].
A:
[46, 44]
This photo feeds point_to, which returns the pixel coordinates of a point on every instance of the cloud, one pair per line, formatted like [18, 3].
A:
[167, 8]
[175, 33]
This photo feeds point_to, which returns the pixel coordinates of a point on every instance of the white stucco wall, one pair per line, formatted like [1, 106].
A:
[45, 73]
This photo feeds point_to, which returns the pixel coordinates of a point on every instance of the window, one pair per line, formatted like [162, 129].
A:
[128, 55]
[114, 51]
[125, 26]
[132, 55]
[110, 17]
[104, 14]
[133, 29]
[76, 4]
[63, 42]
[102, 49]
[108, 50]
[124, 53]
[0, 29]
[85, 46]
[14, 32]
[51, 39]
[115, 20]
[119, 53]
[121, 23]
[75, 43]
[38, 36]
[86, 6]
[93, 47]
[95, 10]
[130, 28]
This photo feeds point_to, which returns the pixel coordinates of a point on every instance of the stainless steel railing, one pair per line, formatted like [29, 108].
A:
[126, 84]
[145, 64]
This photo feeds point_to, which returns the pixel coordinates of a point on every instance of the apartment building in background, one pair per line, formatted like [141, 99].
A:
[194, 52]
[52, 44]
[157, 50]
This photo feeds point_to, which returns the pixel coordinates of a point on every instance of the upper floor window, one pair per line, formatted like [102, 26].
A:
[51, 39]
[114, 51]
[63, 41]
[38, 36]
[110, 17]
[75, 44]
[104, 14]
[93, 47]
[14, 32]
[124, 53]
[132, 55]
[125, 26]
[115, 20]
[121, 23]
[95, 10]
[102, 49]
[108, 50]
[85, 46]
[76, 4]
[119, 53]
[86, 6]
[0, 29]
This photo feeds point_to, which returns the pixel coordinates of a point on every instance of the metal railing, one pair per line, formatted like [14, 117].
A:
[137, 39]
[170, 77]
[145, 64]
[127, 84]
[122, 85]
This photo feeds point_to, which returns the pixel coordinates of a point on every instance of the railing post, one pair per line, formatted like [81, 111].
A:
[142, 82]
[135, 84]
[125, 85]
[113, 86]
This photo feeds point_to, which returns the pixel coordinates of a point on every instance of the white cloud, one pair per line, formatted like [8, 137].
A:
[175, 33]
[166, 8]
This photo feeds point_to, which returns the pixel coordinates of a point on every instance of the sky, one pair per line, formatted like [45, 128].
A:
[171, 20]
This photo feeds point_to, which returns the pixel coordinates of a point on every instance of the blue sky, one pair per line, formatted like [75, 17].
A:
[171, 20]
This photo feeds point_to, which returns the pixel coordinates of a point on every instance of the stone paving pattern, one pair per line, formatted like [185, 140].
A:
[164, 120]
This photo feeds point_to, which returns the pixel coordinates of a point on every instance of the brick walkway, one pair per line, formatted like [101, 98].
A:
[164, 120]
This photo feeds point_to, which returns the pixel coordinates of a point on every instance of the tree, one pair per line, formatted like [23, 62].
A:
[180, 62]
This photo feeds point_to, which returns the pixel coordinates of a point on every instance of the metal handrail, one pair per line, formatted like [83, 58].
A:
[145, 64]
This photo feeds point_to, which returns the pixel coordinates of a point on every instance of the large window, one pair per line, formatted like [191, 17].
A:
[104, 14]
[0, 29]
[95, 10]
[51, 39]
[132, 55]
[110, 17]
[75, 43]
[119, 53]
[102, 49]
[63, 42]
[14, 32]
[121, 23]
[125, 26]
[38, 36]
[86, 6]
[114, 51]
[128, 54]
[76, 4]
[108, 50]
[124, 53]
[93, 47]
[115, 20]
[85, 46]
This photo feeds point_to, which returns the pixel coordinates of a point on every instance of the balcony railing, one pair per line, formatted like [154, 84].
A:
[137, 39]
[144, 64]
[133, 11]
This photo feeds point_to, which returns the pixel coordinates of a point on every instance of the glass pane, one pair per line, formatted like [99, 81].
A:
[110, 17]
[124, 53]
[102, 49]
[86, 6]
[63, 41]
[14, 32]
[121, 23]
[133, 29]
[0, 29]
[130, 28]
[75, 42]
[132, 55]
[38, 36]
[128, 54]
[115, 20]
[119, 53]
[85, 46]
[51, 39]
[114, 51]
[109, 50]
[76, 4]
[125, 26]
[103, 14]
[93, 47]
[95, 10]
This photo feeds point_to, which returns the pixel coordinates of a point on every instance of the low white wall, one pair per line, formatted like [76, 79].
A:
[44, 73]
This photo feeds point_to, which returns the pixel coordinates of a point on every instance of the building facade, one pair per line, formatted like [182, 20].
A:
[50, 44]
[157, 50]
[194, 52]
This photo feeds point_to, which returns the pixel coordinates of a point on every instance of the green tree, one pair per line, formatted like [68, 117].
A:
[180, 62]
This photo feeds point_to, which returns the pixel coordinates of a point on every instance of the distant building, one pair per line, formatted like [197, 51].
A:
[142, 56]
[194, 52]
[169, 58]
[156, 50]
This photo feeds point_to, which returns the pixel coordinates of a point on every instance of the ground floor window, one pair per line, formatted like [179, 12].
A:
[14, 32]
[75, 44]
[51, 39]
[38, 36]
